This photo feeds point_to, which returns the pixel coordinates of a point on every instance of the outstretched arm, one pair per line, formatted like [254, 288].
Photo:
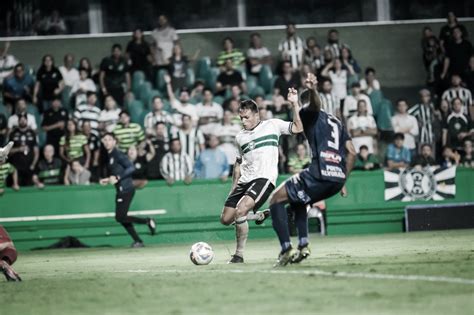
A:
[297, 126]
[311, 83]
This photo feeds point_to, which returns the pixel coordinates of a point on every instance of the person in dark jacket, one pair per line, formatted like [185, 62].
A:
[120, 171]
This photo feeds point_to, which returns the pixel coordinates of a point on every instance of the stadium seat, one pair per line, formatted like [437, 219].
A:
[4, 111]
[219, 100]
[167, 105]
[211, 78]
[266, 78]
[160, 80]
[203, 67]
[251, 82]
[190, 78]
[144, 92]
[384, 115]
[256, 91]
[138, 79]
[136, 108]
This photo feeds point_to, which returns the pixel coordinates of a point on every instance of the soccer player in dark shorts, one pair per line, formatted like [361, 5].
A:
[333, 158]
[120, 170]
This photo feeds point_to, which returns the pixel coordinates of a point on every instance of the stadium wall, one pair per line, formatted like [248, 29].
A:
[393, 48]
[192, 212]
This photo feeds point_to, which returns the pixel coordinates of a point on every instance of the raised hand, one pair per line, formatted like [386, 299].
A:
[292, 96]
[311, 81]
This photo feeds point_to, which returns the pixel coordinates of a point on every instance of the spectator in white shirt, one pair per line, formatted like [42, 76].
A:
[69, 73]
[176, 165]
[82, 87]
[362, 127]
[164, 38]
[369, 83]
[406, 124]
[109, 116]
[338, 76]
[257, 54]
[292, 47]
[7, 63]
[333, 43]
[350, 102]
[209, 112]
[226, 132]
[457, 91]
[181, 106]
[20, 109]
[330, 102]
[157, 115]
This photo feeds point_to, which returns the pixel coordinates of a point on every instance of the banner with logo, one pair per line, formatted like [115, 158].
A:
[429, 183]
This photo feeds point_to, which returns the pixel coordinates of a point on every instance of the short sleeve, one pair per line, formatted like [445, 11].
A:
[284, 127]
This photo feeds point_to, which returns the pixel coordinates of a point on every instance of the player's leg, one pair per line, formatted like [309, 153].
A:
[246, 203]
[123, 216]
[5, 151]
[301, 221]
[8, 256]
[122, 204]
[279, 214]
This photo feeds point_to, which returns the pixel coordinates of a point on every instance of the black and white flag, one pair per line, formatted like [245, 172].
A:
[429, 183]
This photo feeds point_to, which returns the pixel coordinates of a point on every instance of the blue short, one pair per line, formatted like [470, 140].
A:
[304, 188]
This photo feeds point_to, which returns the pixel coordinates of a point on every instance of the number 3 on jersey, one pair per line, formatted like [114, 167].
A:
[333, 122]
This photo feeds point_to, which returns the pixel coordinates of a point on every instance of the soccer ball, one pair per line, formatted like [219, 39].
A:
[201, 253]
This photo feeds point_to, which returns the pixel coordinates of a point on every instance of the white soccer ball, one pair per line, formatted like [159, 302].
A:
[201, 253]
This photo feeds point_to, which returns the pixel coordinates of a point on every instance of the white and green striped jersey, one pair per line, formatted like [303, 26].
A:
[259, 149]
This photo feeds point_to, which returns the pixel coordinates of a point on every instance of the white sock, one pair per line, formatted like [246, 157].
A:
[241, 235]
[254, 216]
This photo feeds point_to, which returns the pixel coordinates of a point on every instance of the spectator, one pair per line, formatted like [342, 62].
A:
[7, 63]
[18, 86]
[230, 53]
[467, 159]
[257, 55]
[426, 158]
[458, 52]
[76, 174]
[333, 43]
[457, 127]
[469, 75]
[49, 169]
[309, 49]
[398, 156]
[54, 24]
[69, 73]
[444, 110]
[7, 169]
[176, 165]
[292, 47]
[350, 102]
[198, 89]
[160, 142]
[328, 56]
[362, 128]
[317, 60]
[73, 145]
[226, 132]
[139, 54]
[181, 106]
[430, 46]
[450, 157]
[288, 79]
[3, 129]
[54, 124]
[348, 60]
[80, 89]
[49, 84]
[228, 78]
[424, 113]
[209, 112]
[20, 109]
[298, 162]
[114, 75]
[366, 161]
[109, 116]
[234, 110]
[178, 67]
[93, 142]
[370, 82]
[128, 133]
[235, 94]
[330, 101]
[457, 91]
[402, 122]
[191, 138]
[157, 115]
[89, 112]
[86, 64]
[446, 33]
[25, 152]
[164, 37]
[212, 162]
[140, 162]
[280, 109]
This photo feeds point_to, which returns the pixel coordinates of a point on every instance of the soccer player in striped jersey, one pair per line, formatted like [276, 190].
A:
[128, 133]
[256, 170]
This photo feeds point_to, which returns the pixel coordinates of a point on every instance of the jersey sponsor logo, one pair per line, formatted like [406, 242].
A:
[329, 156]
[333, 171]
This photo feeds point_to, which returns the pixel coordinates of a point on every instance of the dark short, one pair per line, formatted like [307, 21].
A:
[258, 189]
[304, 188]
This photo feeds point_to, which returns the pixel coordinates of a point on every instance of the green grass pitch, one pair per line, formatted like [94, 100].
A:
[414, 273]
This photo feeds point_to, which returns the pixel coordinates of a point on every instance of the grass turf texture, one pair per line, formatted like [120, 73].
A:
[339, 278]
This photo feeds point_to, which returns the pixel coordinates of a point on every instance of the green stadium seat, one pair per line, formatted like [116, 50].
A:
[256, 91]
[167, 105]
[138, 79]
[4, 111]
[141, 118]
[160, 80]
[144, 92]
[384, 115]
[211, 78]
[190, 78]
[266, 78]
[219, 100]
[41, 137]
[251, 82]
[203, 67]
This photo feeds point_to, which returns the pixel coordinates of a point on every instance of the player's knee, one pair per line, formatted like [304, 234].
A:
[225, 221]
[119, 218]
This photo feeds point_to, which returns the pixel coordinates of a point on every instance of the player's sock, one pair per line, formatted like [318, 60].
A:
[280, 224]
[301, 221]
[131, 231]
[253, 216]
[241, 235]
[138, 220]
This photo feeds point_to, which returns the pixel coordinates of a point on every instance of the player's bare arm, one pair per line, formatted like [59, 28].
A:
[350, 159]
[236, 173]
[311, 84]
[297, 126]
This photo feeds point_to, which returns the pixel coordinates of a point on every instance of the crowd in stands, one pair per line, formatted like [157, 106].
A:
[178, 124]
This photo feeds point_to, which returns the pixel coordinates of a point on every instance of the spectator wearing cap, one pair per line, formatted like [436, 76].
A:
[176, 165]
[54, 123]
[457, 91]
[362, 128]
[182, 106]
[425, 158]
[457, 127]
[114, 75]
[366, 161]
[81, 87]
[19, 85]
[292, 47]
[49, 83]
[20, 109]
[49, 169]
[350, 102]
[369, 83]
[424, 113]
[157, 115]
[128, 133]
[88, 112]
[229, 52]
[209, 112]
[288, 79]
[405, 123]
[25, 151]
[398, 156]
[229, 77]
[212, 162]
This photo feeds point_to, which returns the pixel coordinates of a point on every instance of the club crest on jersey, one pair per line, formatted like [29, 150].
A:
[251, 146]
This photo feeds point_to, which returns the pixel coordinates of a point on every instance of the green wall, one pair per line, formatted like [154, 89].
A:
[394, 50]
[193, 211]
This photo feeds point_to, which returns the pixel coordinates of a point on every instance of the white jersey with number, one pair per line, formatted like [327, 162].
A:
[259, 150]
